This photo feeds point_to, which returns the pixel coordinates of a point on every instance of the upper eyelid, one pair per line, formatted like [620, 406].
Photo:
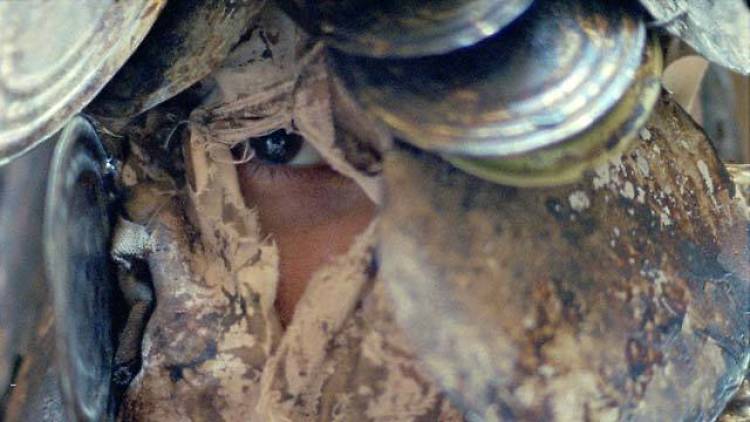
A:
[236, 136]
[235, 127]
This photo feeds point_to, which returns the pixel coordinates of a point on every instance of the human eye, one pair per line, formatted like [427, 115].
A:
[284, 148]
[312, 211]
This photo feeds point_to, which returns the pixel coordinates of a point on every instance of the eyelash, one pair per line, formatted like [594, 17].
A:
[257, 168]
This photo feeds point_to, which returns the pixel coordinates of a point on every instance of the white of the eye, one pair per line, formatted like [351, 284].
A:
[307, 156]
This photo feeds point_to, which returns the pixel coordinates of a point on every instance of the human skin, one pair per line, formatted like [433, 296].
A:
[312, 212]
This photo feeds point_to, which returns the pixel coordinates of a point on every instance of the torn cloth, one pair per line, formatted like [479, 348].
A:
[214, 349]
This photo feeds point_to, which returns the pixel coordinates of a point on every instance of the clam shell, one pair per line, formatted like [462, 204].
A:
[407, 28]
[622, 297]
[76, 250]
[541, 81]
[566, 162]
[56, 56]
[190, 39]
[718, 29]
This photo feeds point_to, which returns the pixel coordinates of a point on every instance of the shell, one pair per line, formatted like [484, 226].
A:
[537, 85]
[407, 28]
[190, 39]
[608, 137]
[622, 297]
[56, 56]
[718, 29]
[76, 252]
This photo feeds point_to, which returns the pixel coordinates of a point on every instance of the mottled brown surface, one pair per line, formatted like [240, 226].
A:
[190, 40]
[213, 349]
[623, 296]
[718, 29]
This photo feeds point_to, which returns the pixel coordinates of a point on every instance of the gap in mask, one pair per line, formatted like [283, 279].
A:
[312, 212]
[277, 79]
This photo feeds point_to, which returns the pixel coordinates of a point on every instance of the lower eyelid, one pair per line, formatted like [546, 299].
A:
[268, 173]
[257, 169]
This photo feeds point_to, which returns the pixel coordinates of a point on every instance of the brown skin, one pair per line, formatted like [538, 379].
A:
[313, 213]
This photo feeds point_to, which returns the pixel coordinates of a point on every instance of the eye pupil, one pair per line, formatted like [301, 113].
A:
[278, 147]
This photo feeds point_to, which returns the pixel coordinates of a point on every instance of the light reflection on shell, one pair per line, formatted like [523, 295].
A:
[406, 28]
[607, 138]
[534, 86]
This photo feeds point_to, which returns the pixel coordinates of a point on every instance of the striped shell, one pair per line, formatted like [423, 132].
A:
[529, 100]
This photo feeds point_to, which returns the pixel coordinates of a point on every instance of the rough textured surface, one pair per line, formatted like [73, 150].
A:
[208, 337]
[278, 79]
[213, 348]
[622, 297]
